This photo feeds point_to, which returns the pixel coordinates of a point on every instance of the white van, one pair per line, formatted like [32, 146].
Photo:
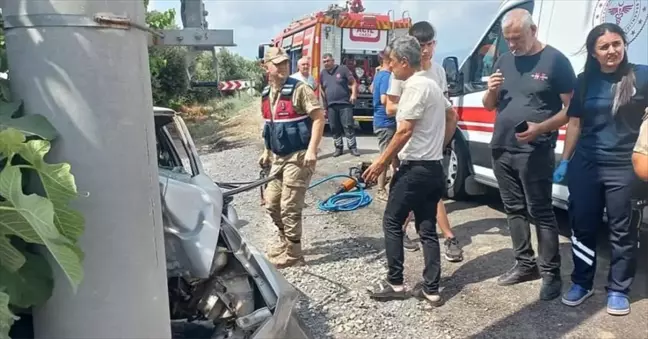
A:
[562, 24]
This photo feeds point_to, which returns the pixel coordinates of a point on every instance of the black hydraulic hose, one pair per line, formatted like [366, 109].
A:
[234, 184]
[252, 185]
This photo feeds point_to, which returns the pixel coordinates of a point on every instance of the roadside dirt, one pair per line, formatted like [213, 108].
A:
[238, 130]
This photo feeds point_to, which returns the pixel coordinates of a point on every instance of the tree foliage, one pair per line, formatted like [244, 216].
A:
[169, 65]
[161, 20]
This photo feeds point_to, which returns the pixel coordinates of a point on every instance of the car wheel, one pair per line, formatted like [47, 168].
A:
[456, 166]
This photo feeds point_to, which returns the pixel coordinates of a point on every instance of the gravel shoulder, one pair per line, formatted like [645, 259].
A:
[345, 252]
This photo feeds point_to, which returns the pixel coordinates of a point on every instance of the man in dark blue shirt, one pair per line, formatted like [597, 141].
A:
[532, 83]
[384, 125]
[338, 87]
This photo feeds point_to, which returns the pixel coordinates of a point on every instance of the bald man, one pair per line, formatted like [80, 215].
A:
[303, 73]
[532, 84]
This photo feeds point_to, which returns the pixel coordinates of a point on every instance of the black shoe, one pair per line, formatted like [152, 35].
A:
[354, 152]
[409, 245]
[337, 153]
[453, 253]
[518, 274]
[551, 287]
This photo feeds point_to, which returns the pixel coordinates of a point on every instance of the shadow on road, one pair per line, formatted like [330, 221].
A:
[485, 267]
[345, 249]
[456, 206]
[466, 231]
[557, 319]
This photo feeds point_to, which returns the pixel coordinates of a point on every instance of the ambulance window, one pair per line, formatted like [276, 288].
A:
[492, 46]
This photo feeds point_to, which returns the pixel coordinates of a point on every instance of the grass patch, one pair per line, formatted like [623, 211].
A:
[205, 120]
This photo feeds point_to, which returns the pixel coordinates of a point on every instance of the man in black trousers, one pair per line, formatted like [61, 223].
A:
[531, 84]
[339, 91]
[419, 182]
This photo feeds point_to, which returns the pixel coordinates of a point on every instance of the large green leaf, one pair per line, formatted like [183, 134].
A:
[13, 223]
[60, 187]
[30, 125]
[37, 214]
[10, 257]
[7, 318]
[31, 285]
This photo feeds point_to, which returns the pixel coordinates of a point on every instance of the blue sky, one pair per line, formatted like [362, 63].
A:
[459, 23]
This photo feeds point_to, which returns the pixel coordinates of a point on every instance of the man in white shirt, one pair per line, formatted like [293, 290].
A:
[303, 73]
[419, 182]
[425, 34]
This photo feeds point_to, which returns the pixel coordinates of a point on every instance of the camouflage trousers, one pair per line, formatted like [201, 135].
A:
[284, 197]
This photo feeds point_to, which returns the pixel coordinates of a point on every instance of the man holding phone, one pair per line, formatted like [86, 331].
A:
[532, 83]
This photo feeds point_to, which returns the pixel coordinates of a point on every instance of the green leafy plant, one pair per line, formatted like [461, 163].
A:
[161, 20]
[33, 225]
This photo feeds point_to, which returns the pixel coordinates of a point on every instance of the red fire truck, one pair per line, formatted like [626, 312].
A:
[353, 37]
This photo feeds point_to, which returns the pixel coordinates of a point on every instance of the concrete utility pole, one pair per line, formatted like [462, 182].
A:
[93, 83]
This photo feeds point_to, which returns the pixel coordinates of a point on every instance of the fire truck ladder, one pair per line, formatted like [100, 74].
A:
[405, 17]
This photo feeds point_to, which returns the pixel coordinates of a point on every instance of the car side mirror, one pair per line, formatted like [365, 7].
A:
[261, 52]
[453, 77]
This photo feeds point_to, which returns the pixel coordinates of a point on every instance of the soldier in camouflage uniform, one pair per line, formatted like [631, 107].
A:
[294, 123]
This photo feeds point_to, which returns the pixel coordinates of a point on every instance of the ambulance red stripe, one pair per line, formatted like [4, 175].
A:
[484, 118]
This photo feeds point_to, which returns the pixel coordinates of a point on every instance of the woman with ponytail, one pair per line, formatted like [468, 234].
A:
[604, 118]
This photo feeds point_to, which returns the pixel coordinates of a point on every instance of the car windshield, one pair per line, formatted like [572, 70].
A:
[172, 153]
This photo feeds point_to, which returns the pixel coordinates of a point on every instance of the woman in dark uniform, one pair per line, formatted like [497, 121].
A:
[605, 114]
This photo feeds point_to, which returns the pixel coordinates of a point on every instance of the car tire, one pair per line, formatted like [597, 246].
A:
[455, 162]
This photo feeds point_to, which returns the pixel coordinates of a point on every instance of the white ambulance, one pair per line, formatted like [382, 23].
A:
[562, 24]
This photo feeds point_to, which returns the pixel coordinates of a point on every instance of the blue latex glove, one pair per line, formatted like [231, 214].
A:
[561, 170]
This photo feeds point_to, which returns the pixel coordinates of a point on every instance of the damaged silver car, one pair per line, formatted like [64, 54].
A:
[219, 285]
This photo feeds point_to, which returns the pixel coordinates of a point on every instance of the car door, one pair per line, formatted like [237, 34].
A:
[191, 203]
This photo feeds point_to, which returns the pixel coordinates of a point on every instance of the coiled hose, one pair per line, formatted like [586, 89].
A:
[338, 202]
[344, 201]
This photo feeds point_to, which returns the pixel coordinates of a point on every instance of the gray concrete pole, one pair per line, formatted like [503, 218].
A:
[94, 86]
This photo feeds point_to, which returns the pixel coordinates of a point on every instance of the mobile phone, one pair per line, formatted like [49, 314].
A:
[521, 127]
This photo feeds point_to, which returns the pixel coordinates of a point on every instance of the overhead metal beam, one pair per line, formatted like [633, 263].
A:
[195, 37]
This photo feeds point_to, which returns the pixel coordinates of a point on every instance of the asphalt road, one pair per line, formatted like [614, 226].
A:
[476, 307]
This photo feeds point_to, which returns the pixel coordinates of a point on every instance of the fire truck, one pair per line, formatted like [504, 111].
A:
[353, 37]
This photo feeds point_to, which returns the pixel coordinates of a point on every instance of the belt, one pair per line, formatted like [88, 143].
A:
[420, 162]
